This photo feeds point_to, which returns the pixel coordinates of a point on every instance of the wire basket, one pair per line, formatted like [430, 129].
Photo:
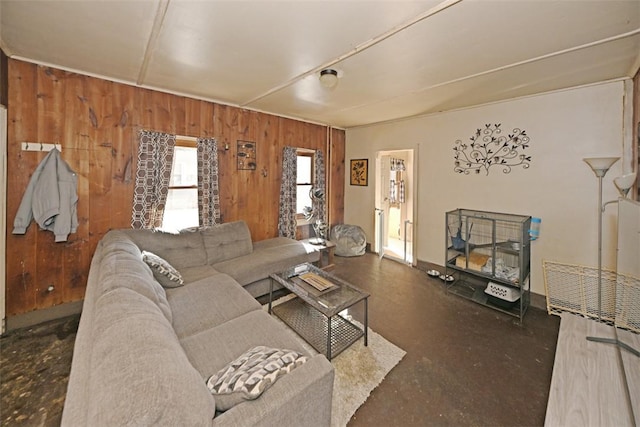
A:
[628, 303]
[574, 288]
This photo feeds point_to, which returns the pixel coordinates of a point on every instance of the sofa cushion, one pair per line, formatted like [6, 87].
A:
[248, 376]
[226, 241]
[164, 272]
[139, 373]
[193, 274]
[207, 303]
[121, 266]
[142, 284]
[181, 250]
[274, 242]
[118, 241]
[262, 262]
[258, 328]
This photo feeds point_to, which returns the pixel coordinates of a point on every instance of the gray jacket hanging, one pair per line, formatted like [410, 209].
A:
[51, 198]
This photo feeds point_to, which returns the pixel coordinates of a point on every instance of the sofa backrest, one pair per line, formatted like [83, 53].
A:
[139, 372]
[226, 241]
[181, 250]
[126, 336]
[121, 266]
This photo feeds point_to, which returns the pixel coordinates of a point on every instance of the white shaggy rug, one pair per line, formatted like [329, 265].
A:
[358, 370]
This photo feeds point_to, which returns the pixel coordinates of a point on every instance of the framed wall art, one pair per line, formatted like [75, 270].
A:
[246, 155]
[359, 172]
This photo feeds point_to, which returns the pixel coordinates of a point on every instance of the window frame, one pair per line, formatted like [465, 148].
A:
[188, 142]
[184, 141]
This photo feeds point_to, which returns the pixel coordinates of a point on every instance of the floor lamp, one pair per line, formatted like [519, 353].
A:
[600, 166]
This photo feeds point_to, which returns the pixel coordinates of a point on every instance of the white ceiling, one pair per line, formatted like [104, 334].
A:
[394, 58]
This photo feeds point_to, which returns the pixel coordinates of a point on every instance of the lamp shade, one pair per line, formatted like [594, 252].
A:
[625, 182]
[600, 165]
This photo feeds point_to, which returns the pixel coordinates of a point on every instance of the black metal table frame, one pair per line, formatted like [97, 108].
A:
[330, 320]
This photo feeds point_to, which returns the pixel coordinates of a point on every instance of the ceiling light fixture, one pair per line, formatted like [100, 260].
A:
[328, 78]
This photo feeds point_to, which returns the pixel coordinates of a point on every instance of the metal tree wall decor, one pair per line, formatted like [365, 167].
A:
[488, 148]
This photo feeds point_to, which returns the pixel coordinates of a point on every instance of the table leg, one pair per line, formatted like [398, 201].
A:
[270, 294]
[366, 321]
[329, 338]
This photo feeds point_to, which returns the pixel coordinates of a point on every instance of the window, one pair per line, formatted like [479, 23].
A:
[304, 180]
[181, 210]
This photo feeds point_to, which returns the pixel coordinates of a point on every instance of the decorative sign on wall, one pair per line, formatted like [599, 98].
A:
[488, 148]
[359, 172]
[246, 155]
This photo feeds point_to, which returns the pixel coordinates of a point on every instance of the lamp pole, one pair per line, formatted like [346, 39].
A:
[600, 166]
[600, 208]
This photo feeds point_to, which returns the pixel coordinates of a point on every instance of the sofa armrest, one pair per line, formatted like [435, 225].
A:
[300, 398]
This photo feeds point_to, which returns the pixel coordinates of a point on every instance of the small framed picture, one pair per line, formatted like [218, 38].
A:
[359, 172]
[246, 155]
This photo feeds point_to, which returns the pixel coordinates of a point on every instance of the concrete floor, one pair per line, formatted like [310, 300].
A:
[34, 371]
[466, 365]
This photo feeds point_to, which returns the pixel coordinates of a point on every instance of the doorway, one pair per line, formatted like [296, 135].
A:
[394, 203]
[3, 217]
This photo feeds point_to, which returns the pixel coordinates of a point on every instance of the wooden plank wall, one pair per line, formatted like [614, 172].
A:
[97, 122]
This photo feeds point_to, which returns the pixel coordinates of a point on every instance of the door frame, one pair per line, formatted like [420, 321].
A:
[3, 215]
[380, 205]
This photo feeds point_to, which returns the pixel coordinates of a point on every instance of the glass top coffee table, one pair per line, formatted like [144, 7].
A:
[315, 313]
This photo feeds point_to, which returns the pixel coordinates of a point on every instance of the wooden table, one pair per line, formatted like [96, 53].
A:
[326, 250]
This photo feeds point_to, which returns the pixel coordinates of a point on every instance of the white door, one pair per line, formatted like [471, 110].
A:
[394, 203]
[3, 213]
[381, 204]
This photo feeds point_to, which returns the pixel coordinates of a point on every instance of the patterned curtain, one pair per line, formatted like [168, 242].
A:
[401, 192]
[288, 190]
[319, 204]
[155, 158]
[208, 190]
[392, 191]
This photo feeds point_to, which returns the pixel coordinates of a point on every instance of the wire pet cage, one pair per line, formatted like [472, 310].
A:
[574, 288]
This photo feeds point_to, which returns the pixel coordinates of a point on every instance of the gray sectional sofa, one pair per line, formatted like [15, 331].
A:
[144, 352]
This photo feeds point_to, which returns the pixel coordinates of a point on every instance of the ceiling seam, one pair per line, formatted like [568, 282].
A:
[161, 12]
[505, 67]
[360, 48]
[482, 104]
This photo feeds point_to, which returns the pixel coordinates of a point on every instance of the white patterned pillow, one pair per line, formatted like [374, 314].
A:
[247, 377]
[164, 272]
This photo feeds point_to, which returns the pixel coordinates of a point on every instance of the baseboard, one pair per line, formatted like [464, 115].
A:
[32, 318]
[537, 300]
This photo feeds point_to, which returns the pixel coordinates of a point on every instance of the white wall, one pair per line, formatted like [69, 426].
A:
[564, 127]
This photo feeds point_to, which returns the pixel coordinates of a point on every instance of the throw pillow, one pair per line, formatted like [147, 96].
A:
[247, 377]
[164, 272]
